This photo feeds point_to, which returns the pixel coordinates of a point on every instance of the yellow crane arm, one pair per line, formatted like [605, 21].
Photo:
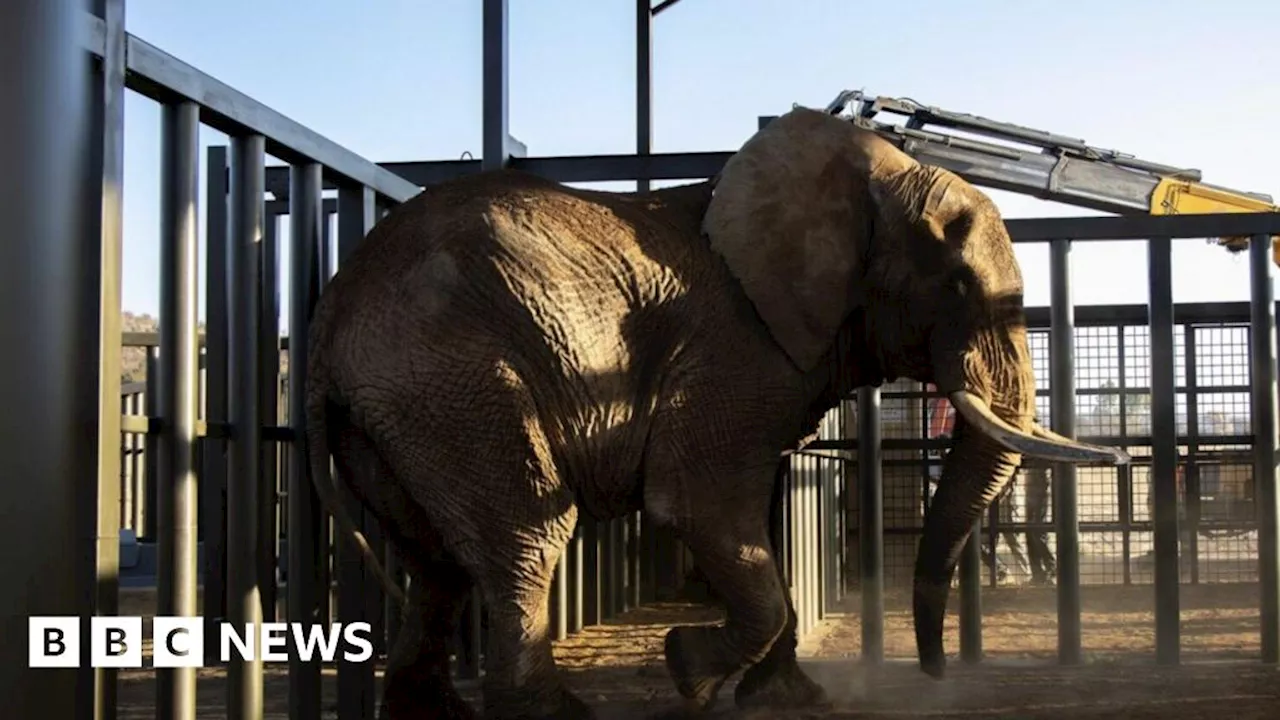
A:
[1181, 197]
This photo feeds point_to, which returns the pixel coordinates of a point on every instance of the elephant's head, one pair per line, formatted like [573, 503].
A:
[818, 218]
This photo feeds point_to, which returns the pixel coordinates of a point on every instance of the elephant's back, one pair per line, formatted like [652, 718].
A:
[577, 293]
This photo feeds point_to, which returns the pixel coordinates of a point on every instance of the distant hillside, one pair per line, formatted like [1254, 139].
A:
[133, 361]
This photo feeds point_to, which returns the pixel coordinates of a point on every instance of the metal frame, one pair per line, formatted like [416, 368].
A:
[50, 147]
[603, 572]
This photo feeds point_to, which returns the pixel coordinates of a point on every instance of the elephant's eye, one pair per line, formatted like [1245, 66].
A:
[959, 281]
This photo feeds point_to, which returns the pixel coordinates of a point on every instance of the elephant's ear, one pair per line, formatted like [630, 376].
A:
[791, 215]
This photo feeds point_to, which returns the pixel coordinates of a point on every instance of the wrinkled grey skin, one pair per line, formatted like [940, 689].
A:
[504, 356]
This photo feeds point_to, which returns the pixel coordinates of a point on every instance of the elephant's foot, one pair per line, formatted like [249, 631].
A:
[778, 685]
[929, 604]
[567, 707]
[698, 662]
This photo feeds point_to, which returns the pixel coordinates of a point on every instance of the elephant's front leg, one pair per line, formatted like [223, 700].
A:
[728, 537]
[777, 681]
[739, 565]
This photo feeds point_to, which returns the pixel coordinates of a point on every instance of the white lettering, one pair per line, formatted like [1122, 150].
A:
[349, 634]
[316, 636]
[275, 635]
[244, 643]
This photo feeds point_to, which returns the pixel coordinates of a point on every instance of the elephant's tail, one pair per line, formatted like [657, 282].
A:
[316, 438]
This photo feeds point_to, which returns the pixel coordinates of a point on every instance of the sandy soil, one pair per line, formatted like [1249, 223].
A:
[617, 667]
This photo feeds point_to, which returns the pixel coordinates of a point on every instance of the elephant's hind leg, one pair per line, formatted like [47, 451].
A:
[418, 685]
[504, 514]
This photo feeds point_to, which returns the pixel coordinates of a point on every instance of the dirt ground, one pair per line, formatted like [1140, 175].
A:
[617, 668]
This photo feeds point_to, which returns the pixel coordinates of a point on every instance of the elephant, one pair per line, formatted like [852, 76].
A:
[504, 355]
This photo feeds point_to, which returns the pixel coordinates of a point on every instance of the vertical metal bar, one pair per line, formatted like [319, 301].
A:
[560, 598]
[305, 544]
[390, 610]
[993, 541]
[152, 473]
[496, 99]
[327, 558]
[971, 595]
[213, 479]
[619, 526]
[1164, 451]
[98, 219]
[51, 403]
[358, 590]
[176, 491]
[644, 83]
[606, 537]
[812, 537]
[1066, 501]
[635, 557]
[575, 579]
[1124, 473]
[269, 412]
[1191, 489]
[1262, 321]
[244, 603]
[591, 611]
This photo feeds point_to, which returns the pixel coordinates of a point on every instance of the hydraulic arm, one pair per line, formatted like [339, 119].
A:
[1048, 166]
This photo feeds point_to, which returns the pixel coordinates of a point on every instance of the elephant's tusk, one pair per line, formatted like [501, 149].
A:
[1040, 443]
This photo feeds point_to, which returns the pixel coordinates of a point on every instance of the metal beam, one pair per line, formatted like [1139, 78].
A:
[176, 393]
[644, 83]
[213, 480]
[1066, 505]
[691, 166]
[1263, 346]
[244, 677]
[99, 498]
[1139, 227]
[871, 525]
[359, 592]
[305, 546]
[165, 78]
[1164, 451]
[496, 96]
[50, 406]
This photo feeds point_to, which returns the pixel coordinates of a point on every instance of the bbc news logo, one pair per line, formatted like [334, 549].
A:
[116, 642]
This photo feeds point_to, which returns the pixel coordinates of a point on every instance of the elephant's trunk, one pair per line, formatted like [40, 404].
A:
[974, 473]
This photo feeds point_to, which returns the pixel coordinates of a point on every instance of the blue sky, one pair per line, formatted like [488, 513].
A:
[1183, 83]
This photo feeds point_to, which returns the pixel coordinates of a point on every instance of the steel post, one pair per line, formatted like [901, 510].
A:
[244, 601]
[1263, 347]
[305, 545]
[176, 396]
[213, 479]
[1164, 450]
[359, 592]
[101, 229]
[269, 413]
[971, 595]
[49, 385]
[496, 99]
[1066, 508]
[644, 83]
[871, 524]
